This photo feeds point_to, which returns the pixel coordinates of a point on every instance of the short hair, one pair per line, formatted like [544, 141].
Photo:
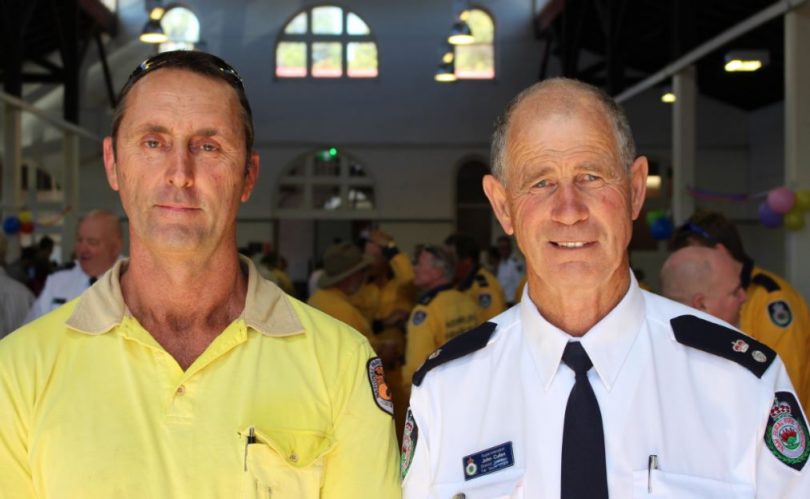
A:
[200, 63]
[464, 245]
[441, 259]
[625, 145]
[708, 228]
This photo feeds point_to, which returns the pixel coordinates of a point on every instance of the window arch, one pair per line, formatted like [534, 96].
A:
[476, 61]
[324, 182]
[181, 27]
[326, 41]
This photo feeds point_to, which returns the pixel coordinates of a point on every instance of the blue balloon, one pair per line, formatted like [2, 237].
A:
[768, 217]
[662, 229]
[11, 225]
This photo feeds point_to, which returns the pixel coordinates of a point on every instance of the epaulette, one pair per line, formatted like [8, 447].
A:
[461, 345]
[429, 295]
[481, 279]
[766, 282]
[724, 342]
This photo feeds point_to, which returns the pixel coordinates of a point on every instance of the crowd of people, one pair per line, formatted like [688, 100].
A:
[189, 370]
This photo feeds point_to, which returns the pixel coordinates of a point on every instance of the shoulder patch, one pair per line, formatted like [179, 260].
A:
[484, 300]
[766, 282]
[786, 433]
[418, 317]
[723, 342]
[780, 314]
[379, 388]
[410, 435]
[458, 347]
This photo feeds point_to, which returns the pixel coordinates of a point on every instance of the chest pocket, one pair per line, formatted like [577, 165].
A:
[672, 485]
[285, 464]
[501, 485]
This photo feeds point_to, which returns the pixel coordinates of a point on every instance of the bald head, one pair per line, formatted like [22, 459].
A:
[707, 279]
[561, 96]
[99, 240]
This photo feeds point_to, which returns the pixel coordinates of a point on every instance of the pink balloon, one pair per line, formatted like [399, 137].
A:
[781, 200]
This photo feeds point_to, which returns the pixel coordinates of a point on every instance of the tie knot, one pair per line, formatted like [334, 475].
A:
[576, 358]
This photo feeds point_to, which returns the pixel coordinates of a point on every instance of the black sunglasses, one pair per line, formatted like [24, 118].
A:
[166, 58]
[697, 229]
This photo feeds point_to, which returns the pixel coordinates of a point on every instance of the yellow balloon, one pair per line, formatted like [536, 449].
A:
[794, 219]
[802, 200]
[26, 216]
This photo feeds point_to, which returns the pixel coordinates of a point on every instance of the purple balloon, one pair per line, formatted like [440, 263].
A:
[768, 217]
[781, 200]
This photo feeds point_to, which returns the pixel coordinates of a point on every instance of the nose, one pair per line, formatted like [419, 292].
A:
[568, 206]
[180, 172]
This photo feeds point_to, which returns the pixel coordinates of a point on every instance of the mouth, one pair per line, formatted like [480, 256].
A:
[176, 207]
[572, 244]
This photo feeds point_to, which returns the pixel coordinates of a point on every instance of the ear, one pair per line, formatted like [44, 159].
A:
[110, 167]
[699, 302]
[496, 193]
[251, 175]
[638, 184]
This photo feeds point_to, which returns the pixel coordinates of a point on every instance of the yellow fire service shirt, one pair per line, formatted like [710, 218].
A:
[776, 314]
[336, 304]
[441, 314]
[486, 292]
[377, 303]
[285, 399]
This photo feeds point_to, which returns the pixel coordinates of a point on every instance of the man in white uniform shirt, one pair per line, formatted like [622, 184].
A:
[591, 387]
[99, 242]
[510, 269]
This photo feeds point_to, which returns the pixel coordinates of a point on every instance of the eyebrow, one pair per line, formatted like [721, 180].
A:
[205, 132]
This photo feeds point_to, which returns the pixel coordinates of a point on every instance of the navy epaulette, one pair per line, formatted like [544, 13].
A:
[724, 342]
[481, 279]
[766, 282]
[461, 345]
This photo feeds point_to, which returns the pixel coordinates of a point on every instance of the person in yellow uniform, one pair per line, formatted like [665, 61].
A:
[270, 265]
[774, 312]
[345, 270]
[473, 279]
[181, 372]
[441, 313]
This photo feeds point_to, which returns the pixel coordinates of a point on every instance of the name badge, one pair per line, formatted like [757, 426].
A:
[488, 461]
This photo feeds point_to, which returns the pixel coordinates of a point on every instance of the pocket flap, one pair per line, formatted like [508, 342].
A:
[298, 448]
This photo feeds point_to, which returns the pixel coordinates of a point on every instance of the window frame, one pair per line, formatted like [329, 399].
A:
[492, 44]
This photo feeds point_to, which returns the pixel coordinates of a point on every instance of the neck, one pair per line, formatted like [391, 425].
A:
[578, 308]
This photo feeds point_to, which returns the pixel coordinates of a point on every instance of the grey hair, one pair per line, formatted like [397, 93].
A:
[613, 112]
[443, 260]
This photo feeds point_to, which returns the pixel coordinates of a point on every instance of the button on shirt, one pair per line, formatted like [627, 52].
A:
[701, 415]
[60, 287]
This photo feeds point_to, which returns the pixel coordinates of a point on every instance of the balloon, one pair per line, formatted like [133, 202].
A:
[27, 227]
[654, 215]
[11, 225]
[26, 216]
[781, 200]
[661, 229]
[803, 200]
[794, 219]
[768, 217]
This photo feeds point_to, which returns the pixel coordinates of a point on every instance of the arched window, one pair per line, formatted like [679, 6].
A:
[476, 61]
[182, 27]
[326, 42]
[325, 181]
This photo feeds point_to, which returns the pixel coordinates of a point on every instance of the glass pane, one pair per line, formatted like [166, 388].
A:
[475, 62]
[481, 26]
[326, 197]
[291, 196]
[326, 163]
[298, 25]
[327, 20]
[291, 60]
[362, 59]
[170, 46]
[181, 25]
[355, 25]
[327, 60]
[361, 198]
[356, 170]
[297, 169]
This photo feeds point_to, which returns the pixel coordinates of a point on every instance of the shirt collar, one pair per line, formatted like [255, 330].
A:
[267, 309]
[607, 343]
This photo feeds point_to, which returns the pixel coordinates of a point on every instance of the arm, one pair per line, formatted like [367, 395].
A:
[15, 474]
[420, 341]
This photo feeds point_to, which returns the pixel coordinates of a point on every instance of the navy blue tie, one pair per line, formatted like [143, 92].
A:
[584, 473]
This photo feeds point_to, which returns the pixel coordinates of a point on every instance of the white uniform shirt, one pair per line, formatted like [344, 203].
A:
[702, 415]
[60, 288]
[510, 273]
[15, 300]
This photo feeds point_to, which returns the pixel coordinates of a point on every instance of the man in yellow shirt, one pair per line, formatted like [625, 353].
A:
[181, 373]
[774, 312]
[345, 270]
[442, 312]
[473, 279]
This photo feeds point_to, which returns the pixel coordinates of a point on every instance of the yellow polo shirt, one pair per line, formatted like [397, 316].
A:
[91, 406]
[336, 304]
[485, 290]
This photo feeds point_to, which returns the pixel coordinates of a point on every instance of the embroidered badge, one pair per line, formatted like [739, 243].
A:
[488, 461]
[409, 437]
[780, 313]
[786, 433]
[758, 356]
[419, 317]
[485, 300]
[379, 388]
[739, 346]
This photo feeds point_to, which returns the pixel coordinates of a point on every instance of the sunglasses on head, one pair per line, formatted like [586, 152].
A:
[165, 58]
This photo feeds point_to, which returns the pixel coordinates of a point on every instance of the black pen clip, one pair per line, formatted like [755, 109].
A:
[251, 439]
